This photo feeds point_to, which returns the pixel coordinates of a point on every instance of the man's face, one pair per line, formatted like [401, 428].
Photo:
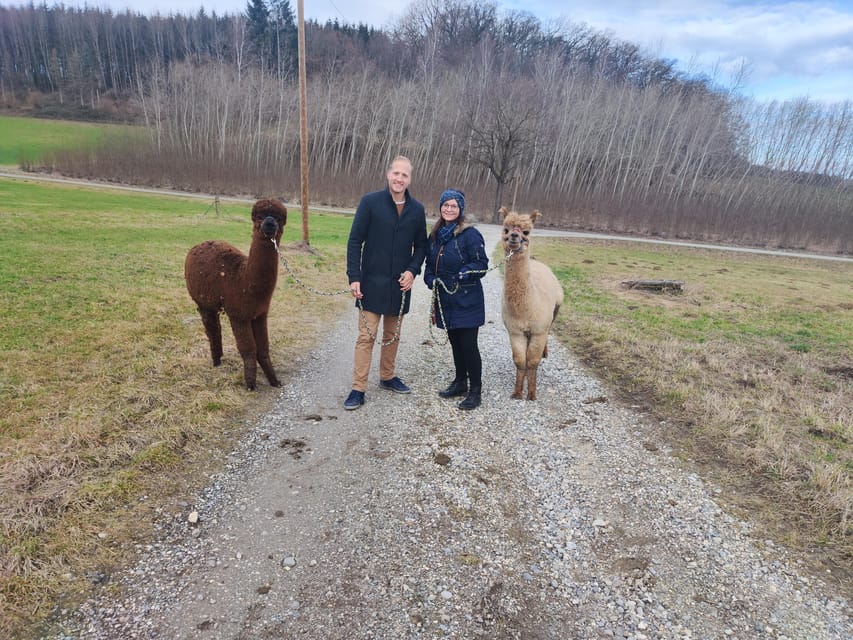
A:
[399, 176]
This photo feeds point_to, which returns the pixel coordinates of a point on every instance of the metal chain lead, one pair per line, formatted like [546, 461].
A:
[436, 298]
[299, 282]
[435, 302]
[373, 336]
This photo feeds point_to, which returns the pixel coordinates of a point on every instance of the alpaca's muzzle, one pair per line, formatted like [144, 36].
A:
[515, 239]
[269, 227]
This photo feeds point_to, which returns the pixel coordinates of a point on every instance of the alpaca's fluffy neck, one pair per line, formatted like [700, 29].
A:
[518, 263]
[517, 280]
[262, 264]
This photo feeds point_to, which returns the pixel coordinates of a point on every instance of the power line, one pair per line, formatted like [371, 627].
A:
[343, 17]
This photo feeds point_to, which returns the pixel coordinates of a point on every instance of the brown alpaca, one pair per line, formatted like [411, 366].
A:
[222, 278]
[532, 298]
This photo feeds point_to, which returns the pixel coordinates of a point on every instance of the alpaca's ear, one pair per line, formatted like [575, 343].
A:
[534, 216]
[258, 209]
[504, 212]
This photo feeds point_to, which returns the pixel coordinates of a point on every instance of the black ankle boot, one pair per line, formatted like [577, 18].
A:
[472, 400]
[459, 387]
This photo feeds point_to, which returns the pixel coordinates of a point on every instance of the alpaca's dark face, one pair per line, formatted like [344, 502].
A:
[269, 217]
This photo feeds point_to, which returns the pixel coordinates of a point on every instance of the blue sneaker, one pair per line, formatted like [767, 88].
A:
[395, 384]
[354, 400]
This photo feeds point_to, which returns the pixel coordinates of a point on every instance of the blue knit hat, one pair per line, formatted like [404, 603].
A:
[453, 194]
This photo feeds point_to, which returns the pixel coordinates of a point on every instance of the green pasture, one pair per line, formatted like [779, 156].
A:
[106, 388]
[747, 299]
[107, 392]
[28, 139]
[751, 367]
[75, 256]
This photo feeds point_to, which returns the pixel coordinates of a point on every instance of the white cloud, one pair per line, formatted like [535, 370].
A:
[791, 48]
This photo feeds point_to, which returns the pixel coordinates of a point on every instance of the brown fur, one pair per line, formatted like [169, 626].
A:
[221, 278]
[532, 298]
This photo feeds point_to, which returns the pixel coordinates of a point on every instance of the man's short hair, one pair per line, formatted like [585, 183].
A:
[399, 159]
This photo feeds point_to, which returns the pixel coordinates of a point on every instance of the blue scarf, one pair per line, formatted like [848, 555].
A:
[446, 233]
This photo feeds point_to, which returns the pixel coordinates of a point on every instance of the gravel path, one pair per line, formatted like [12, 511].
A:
[561, 518]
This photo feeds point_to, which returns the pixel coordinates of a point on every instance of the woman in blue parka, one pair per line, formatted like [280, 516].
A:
[457, 257]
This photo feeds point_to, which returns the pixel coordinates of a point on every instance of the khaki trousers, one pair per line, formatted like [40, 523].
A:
[364, 348]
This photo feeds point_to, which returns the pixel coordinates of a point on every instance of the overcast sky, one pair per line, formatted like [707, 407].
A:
[791, 49]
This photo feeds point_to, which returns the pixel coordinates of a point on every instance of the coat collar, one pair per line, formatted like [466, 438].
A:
[460, 227]
[391, 196]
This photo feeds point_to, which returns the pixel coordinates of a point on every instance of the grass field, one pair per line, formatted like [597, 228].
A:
[27, 139]
[107, 394]
[751, 368]
[110, 409]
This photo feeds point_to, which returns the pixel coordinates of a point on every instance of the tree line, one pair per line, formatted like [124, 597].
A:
[558, 117]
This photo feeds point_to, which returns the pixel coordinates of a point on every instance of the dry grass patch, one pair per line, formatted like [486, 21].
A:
[111, 414]
[748, 367]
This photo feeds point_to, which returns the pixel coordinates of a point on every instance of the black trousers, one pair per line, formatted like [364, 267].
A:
[466, 355]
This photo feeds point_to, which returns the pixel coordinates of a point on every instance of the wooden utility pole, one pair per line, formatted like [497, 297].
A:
[303, 122]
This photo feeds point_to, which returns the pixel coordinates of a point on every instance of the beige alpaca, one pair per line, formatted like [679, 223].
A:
[532, 298]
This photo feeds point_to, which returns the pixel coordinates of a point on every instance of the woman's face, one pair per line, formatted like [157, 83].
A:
[450, 210]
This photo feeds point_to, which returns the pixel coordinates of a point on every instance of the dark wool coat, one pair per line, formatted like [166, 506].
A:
[382, 245]
[465, 250]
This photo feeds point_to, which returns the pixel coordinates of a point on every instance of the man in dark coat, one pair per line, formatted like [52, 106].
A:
[386, 249]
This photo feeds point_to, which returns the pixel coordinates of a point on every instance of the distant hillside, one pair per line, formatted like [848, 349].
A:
[588, 129]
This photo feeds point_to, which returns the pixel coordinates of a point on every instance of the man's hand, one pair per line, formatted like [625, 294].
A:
[406, 281]
[355, 288]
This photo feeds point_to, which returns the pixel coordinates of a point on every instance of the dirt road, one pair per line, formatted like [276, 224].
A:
[560, 518]
[9, 172]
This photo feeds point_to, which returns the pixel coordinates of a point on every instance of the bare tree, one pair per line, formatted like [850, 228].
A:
[598, 133]
[503, 125]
